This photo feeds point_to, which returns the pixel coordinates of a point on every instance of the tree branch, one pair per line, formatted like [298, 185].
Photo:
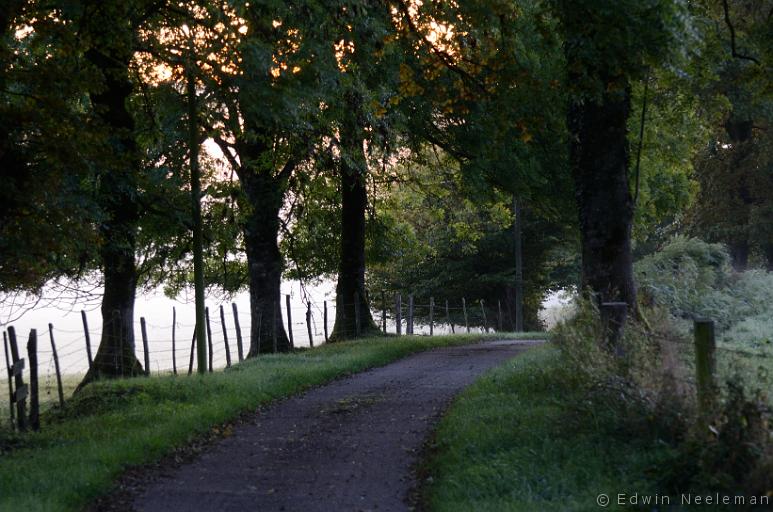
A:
[225, 147]
[729, 24]
[444, 57]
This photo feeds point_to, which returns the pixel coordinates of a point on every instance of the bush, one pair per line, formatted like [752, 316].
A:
[730, 454]
[648, 385]
[694, 279]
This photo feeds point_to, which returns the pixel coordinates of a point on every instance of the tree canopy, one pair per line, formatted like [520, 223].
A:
[496, 150]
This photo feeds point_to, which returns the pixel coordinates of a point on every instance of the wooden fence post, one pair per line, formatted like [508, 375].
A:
[308, 324]
[705, 364]
[239, 346]
[88, 337]
[398, 313]
[464, 310]
[209, 339]
[225, 338]
[448, 318]
[20, 390]
[483, 312]
[431, 314]
[56, 365]
[260, 333]
[356, 314]
[273, 327]
[174, 343]
[144, 331]
[383, 311]
[499, 315]
[324, 320]
[117, 356]
[289, 321]
[10, 380]
[32, 352]
[193, 348]
[409, 328]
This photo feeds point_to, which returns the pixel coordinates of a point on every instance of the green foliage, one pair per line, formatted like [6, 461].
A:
[46, 202]
[608, 39]
[673, 133]
[694, 279]
[431, 239]
[735, 457]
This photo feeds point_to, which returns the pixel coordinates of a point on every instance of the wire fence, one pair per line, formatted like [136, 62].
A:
[704, 366]
[158, 347]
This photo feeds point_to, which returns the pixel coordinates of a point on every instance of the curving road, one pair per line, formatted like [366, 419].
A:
[351, 445]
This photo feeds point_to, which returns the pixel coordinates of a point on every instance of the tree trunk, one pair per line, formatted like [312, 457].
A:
[116, 353]
[264, 193]
[739, 254]
[599, 166]
[518, 243]
[198, 227]
[767, 250]
[351, 267]
[740, 133]
[118, 191]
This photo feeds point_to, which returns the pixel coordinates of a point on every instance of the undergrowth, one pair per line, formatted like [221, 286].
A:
[555, 428]
[725, 449]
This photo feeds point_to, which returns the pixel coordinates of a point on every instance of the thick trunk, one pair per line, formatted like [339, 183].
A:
[115, 356]
[599, 165]
[264, 194]
[118, 190]
[351, 267]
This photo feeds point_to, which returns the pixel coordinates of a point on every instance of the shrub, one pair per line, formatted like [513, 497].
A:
[692, 279]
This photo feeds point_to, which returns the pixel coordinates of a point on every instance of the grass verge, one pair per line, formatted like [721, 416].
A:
[515, 441]
[115, 425]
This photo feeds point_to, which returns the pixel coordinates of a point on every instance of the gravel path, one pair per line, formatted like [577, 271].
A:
[351, 445]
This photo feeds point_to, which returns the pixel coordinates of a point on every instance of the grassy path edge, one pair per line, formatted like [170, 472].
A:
[513, 442]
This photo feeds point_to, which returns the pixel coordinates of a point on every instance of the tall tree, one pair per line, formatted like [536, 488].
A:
[735, 202]
[366, 117]
[112, 29]
[353, 176]
[268, 111]
[607, 45]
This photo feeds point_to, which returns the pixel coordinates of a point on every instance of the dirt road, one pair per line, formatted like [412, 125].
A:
[350, 445]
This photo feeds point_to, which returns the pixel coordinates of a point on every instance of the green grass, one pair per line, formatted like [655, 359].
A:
[118, 424]
[511, 442]
[49, 397]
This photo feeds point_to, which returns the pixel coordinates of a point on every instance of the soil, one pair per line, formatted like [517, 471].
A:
[351, 445]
